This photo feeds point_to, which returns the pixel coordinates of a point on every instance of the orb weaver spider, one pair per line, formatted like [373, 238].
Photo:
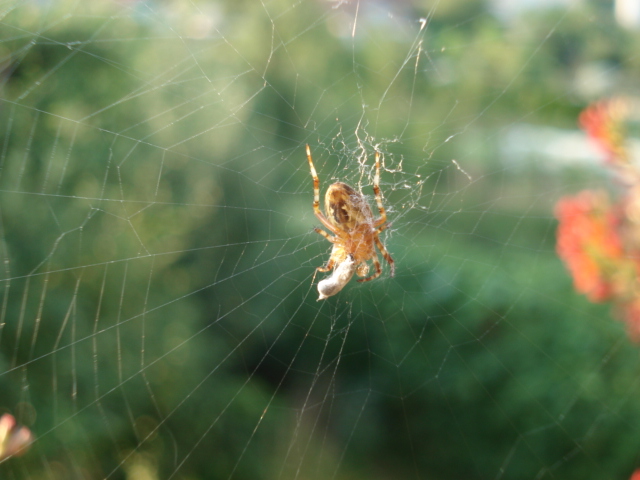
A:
[355, 232]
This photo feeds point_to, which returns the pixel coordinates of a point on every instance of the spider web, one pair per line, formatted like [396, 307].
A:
[158, 318]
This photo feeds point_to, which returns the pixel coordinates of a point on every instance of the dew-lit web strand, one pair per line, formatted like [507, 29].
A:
[415, 47]
[516, 75]
[145, 143]
[414, 50]
[119, 350]
[221, 122]
[454, 348]
[402, 398]
[67, 158]
[20, 323]
[232, 115]
[151, 82]
[7, 271]
[103, 130]
[594, 377]
[125, 69]
[274, 48]
[145, 379]
[305, 403]
[69, 314]
[134, 317]
[140, 92]
[263, 76]
[147, 203]
[142, 257]
[521, 435]
[62, 329]
[143, 91]
[27, 148]
[184, 44]
[127, 218]
[5, 146]
[119, 322]
[79, 410]
[94, 348]
[52, 156]
[335, 363]
[213, 370]
[115, 134]
[61, 62]
[128, 70]
[38, 318]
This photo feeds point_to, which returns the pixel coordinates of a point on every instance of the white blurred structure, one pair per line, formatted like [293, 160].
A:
[548, 148]
[627, 13]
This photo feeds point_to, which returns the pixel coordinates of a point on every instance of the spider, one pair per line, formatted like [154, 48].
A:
[355, 231]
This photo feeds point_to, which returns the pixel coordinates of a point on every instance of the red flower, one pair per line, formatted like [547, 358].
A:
[589, 244]
[604, 123]
[599, 241]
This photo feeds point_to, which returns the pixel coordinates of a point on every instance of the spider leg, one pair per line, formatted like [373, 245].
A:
[378, 195]
[331, 238]
[382, 227]
[327, 267]
[376, 274]
[316, 195]
[385, 254]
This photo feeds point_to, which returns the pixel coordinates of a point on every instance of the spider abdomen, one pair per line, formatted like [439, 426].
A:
[345, 207]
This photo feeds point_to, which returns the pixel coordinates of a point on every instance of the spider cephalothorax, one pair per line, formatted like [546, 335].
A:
[355, 231]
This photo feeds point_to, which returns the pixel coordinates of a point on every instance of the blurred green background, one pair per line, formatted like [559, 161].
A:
[157, 314]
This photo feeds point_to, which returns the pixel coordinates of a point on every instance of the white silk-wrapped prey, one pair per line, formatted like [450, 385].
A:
[338, 279]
